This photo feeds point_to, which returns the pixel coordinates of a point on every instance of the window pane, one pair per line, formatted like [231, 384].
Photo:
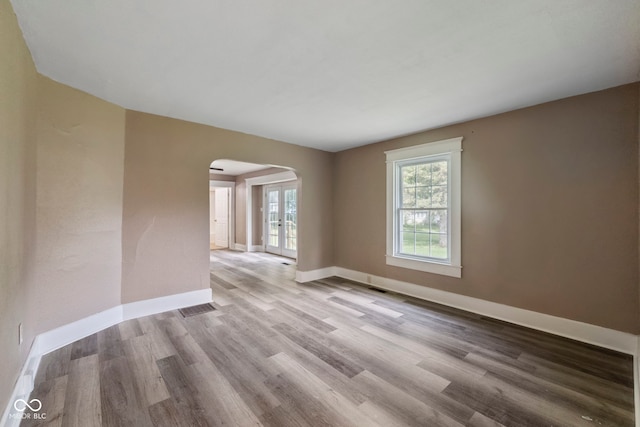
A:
[422, 197]
[422, 244]
[439, 173]
[422, 221]
[409, 197]
[408, 176]
[407, 243]
[439, 196]
[438, 243]
[423, 174]
[438, 221]
[408, 221]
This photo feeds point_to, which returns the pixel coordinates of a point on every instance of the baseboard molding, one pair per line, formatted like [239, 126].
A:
[257, 248]
[308, 276]
[54, 339]
[133, 310]
[239, 247]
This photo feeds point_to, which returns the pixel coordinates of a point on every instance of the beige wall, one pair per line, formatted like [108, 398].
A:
[17, 197]
[79, 216]
[549, 209]
[165, 221]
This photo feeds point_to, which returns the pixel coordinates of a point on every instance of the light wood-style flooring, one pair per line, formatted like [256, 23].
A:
[327, 353]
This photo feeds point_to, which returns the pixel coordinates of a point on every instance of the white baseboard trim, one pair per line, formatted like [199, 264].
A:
[54, 339]
[240, 247]
[257, 248]
[321, 273]
[133, 310]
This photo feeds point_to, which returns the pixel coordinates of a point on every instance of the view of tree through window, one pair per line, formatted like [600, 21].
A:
[423, 209]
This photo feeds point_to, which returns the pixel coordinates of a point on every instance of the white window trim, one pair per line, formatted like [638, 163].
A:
[453, 147]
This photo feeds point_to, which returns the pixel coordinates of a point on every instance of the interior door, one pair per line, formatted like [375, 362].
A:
[281, 219]
[221, 217]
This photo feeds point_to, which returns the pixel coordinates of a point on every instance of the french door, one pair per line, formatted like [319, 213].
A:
[281, 219]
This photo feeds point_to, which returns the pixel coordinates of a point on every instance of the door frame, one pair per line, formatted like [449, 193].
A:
[264, 180]
[232, 208]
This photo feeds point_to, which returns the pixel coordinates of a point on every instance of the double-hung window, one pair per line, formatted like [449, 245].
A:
[423, 207]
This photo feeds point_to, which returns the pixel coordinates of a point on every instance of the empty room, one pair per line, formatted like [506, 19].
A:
[281, 213]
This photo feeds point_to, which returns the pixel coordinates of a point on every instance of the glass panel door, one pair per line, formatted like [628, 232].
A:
[290, 221]
[281, 219]
[274, 223]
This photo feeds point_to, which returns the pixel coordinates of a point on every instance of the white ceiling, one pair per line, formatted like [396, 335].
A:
[234, 168]
[333, 74]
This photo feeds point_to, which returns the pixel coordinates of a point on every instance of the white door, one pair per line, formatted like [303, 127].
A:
[281, 219]
[221, 217]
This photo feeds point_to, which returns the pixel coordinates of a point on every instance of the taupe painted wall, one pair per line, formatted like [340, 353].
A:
[17, 198]
[165, 220]
[549, 209]
[79, 217]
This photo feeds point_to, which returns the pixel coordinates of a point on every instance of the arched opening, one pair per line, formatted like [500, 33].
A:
[253, 208]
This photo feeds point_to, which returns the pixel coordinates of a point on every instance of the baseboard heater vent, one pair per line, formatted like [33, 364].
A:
[196, 309]
[382, 291]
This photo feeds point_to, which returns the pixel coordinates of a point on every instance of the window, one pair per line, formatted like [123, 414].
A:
[423, 207]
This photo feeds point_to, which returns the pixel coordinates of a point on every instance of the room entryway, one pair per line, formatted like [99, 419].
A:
[219, 217]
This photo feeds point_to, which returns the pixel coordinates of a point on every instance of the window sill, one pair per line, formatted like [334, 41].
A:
[426, 266]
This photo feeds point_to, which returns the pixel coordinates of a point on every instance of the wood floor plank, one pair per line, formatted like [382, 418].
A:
[120, 404]
[183, 391]
[85, 347]
[146, 376]
[330, 357]
[219, 397]
[82, 400]
[166, 414]
[398, 405]
[299, 386]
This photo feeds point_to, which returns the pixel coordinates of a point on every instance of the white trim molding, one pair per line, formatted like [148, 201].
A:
[239, 247]
[256, 248]
[449, 151]
[321, 273]
[54, 339]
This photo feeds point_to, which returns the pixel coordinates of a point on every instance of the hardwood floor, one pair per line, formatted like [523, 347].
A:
[327, 353]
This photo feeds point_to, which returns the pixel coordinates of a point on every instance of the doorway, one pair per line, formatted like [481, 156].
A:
[221, 228]
[221, 217]
[281, 219]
